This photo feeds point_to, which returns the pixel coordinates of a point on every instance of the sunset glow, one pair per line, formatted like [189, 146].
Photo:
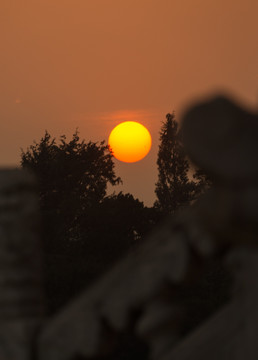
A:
[130, 141]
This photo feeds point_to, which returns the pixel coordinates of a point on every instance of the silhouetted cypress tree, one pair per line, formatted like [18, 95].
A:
[174, 188]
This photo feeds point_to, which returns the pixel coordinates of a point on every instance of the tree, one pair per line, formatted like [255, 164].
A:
[174, 188]
[72, 177]
[72, 183]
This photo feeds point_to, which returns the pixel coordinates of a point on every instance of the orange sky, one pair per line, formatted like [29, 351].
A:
[93, 63]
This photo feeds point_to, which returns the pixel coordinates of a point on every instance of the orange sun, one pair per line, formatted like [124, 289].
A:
[130, 141]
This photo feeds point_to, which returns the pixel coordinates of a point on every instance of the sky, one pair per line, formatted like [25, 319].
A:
[90, 64]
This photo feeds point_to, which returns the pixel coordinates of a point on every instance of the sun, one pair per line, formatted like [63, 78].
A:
[129, 141]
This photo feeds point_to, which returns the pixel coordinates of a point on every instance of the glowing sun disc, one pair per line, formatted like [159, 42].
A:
[129, 141]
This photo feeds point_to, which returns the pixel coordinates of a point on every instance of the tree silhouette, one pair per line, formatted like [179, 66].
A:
[72, 180]
[174, 188]
[72, 177]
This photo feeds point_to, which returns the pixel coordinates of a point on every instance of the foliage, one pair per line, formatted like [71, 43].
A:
[175, 186]
[86, 167]
[72, 177]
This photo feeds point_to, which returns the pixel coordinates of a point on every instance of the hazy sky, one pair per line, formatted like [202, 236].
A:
[94, 63]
